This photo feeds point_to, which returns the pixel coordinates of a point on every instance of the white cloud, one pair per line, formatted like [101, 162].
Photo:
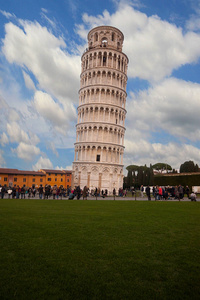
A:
[168, 111]
[193, 23]
[51, 145]
[55, 72]
[13, 115]
[43, 163]
[7, 14]
[53, 112]
[34, 47]
[141, 152]
[154, 47]
[48, 108]
[68, 167]
[17, 134]
[51, 23]
[3, 104]
[2, 161]
[34, 139]
[172, 106]
[4, 139]
[26, 151]
[63, 168]
[28, 81]
[59, 168]
[44, 10]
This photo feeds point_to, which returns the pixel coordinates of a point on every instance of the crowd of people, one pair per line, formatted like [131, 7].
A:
[40, 192]
[167, 193]
[55, 192]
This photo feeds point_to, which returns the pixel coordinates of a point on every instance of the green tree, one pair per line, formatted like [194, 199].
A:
[151, 176]
[146, 176]
[129, 179]
[140, 176]
[189, 167]
[162, 167]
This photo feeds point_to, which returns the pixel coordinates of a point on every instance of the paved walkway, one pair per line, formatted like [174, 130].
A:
[116, 198]
[137, 199]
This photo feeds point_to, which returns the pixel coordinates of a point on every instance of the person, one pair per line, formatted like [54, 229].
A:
[17, 192]
[168, 189]
[96, 192]
[54, 191]
[29, 192]
[120, 192]
[33, 191]
[23, 192]
[187, 191]
[166, 194]
[71, 196]
[46, 191]
[85, 192]
[102, 194]
[78, 192]
[154, 190]
[40, 190]
[157, 197]
[0, 189]
[62, 192]
[9, 192]
[148, 192]
[3, 190]
[193, 196]
[58, 191]
[180, 190]
[177, 195]
[160, 192]
[141, 191]
[173, 192]
[14, 192]
[68, 190]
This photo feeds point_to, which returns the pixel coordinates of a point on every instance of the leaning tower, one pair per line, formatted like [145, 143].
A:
[100, 130]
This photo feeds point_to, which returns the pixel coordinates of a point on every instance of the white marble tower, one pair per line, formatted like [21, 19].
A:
[100, 130]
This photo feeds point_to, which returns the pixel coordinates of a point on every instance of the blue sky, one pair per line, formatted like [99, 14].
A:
[40, 58]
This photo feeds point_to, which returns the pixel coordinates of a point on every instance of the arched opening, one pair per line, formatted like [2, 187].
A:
[104, 42]
[113, 36]
[104, 58]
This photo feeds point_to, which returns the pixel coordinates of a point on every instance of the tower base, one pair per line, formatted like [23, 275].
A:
[100, 176]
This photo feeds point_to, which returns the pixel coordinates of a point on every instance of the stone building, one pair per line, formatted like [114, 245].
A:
[100, 129]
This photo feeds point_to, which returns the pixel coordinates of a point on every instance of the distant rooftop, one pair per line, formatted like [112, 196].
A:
[40, 172]
[55, 171]
[20, 172]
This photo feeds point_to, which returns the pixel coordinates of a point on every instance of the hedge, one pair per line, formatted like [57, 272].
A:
[190, 179]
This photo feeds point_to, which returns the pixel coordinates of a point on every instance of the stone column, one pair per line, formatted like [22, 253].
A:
[100, 181]
[88, 179]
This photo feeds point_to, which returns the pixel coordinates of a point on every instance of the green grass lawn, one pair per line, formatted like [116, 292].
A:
[99, 250]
